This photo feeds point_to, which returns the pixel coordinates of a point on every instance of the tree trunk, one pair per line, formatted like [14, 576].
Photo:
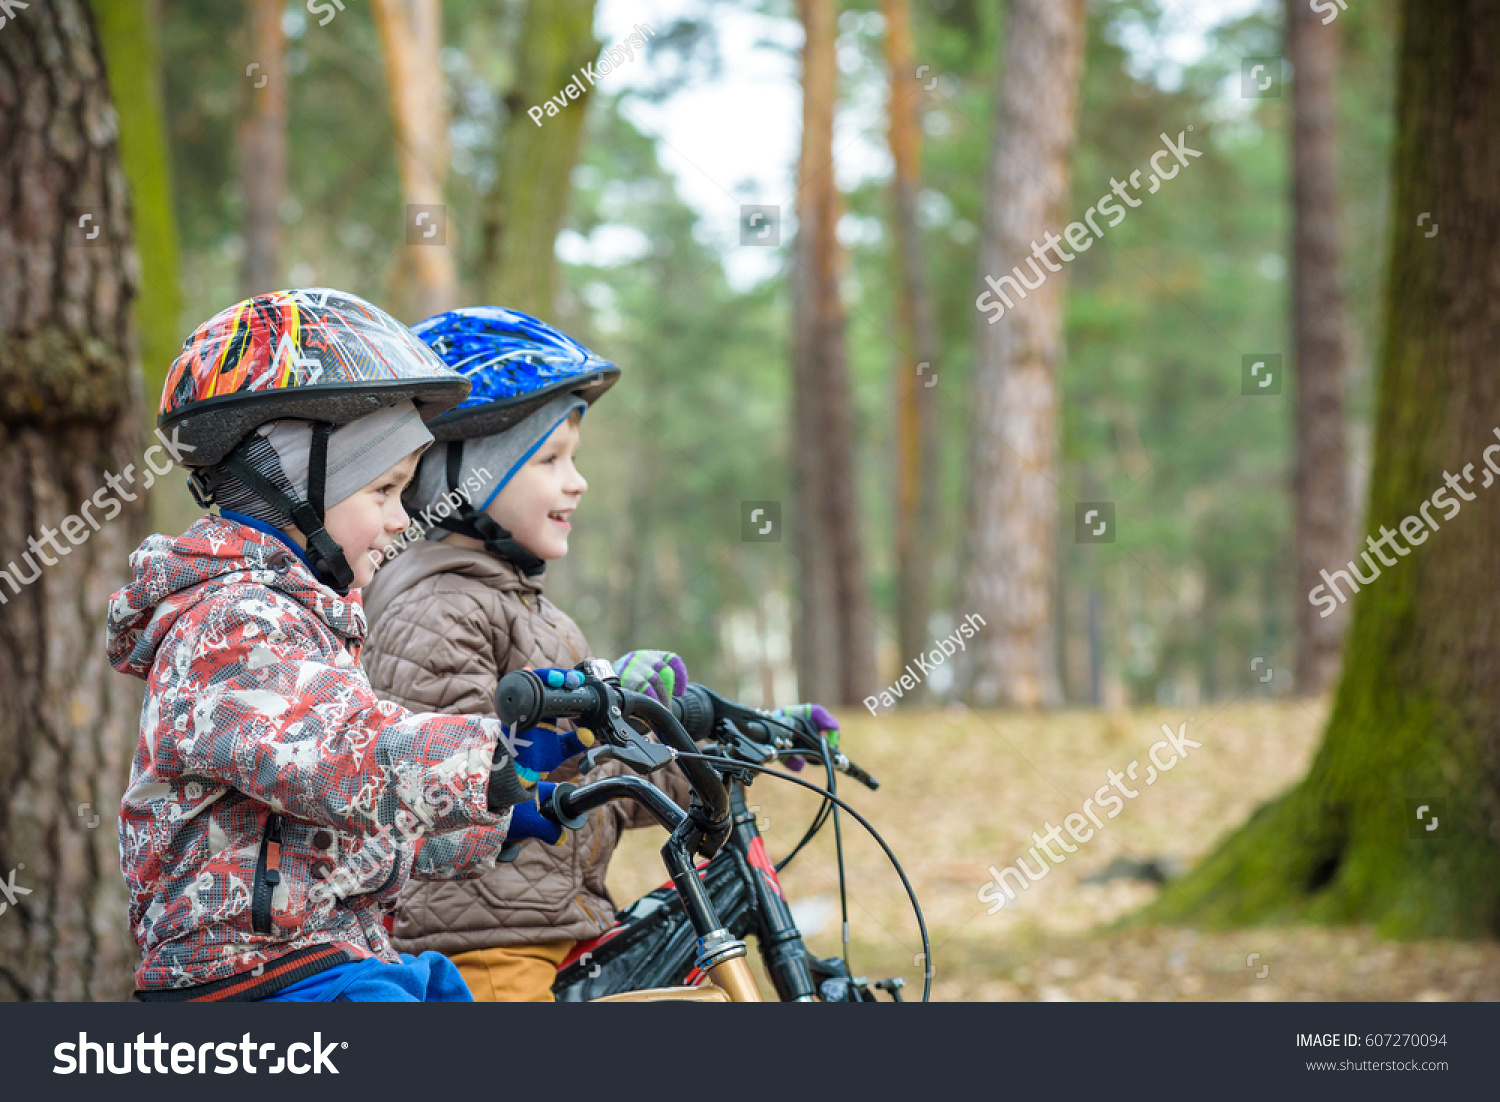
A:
[530, 198]
[831, 561]
[1013, 432]
[128, 37]
[916, 364]
[1417, 709]
[1321, 489]
[70, 409]
[411, 40]
[263, 151]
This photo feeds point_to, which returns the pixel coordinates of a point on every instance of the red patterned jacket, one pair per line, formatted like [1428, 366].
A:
[276, 808]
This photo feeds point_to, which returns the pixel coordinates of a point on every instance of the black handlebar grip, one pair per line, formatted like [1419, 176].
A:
[521, 700]
[559, 811]
[852, 770]
[518, 698]
[695, 711]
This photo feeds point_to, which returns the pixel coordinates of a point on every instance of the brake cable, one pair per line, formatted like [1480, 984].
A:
[838, 847]
[719, 761]
[820, 817]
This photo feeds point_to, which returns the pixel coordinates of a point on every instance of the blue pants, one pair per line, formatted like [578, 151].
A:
[429, 978]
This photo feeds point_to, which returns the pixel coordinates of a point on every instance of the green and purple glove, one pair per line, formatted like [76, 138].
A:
[815, 716]
[658, 674]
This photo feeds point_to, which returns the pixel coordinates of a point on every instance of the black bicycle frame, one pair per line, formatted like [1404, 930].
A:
[653, 942]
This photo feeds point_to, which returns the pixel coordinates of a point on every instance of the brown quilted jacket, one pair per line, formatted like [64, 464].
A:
[445, 623]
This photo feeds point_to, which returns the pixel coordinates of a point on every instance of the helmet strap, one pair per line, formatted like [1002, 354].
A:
[326, 556]
[468, 521]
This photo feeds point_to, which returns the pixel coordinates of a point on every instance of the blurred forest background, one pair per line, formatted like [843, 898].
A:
[1201, 577]
[776, 217]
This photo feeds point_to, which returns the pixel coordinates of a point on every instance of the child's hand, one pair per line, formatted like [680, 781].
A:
[658, 674]
[820, 718]
[527, 821]
[539, 750]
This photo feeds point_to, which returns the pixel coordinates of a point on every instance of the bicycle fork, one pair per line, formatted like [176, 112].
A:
[721, 955]
[776, 932]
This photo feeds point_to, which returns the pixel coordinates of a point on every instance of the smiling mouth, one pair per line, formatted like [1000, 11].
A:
[561, 517]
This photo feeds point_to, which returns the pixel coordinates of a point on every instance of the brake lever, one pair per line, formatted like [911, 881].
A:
[752, 750]
[621, 741]
[640, 753]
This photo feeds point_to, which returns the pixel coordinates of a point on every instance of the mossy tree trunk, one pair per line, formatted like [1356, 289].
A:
[128, 36]
[530, 199]
[1417, 711]
[70, 411]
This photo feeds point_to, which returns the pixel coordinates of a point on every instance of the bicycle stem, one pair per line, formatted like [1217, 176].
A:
[720, 954]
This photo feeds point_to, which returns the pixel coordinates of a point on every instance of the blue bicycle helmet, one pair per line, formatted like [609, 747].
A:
[515, 362]
[517, 365]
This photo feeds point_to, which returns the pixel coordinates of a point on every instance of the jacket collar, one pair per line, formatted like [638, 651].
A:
[429, 557]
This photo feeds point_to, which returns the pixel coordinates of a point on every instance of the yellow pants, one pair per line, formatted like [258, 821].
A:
[513, 973]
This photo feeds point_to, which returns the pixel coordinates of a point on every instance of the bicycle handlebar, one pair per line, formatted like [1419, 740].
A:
[571, 803]
[703, 713]
[522, 701]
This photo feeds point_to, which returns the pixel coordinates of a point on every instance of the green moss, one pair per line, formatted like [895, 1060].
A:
[128, 39]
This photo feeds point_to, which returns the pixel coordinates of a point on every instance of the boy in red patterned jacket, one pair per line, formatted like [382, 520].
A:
[276, 807]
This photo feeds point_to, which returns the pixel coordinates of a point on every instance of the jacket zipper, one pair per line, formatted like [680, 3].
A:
[267, 876]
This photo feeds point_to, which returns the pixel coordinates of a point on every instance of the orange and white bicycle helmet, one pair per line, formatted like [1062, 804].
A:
[317, 355]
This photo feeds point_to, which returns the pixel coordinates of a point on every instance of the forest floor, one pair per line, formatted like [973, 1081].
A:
[964, 790]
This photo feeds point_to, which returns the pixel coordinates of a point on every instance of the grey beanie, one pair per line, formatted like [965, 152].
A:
[358, 453]
[489, 462]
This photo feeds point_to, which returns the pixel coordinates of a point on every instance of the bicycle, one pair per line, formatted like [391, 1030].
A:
[685, 940]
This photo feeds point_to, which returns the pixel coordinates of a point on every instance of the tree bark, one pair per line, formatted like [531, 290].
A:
[70, 397]
[263, 151]
[1417, 709]
[1011, 546]
[1321, 482]
[530, 198]
[836, 657]
[411, 40]
[128, 36]
[917, 362]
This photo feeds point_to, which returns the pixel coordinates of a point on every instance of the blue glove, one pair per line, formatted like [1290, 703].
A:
[538, 750]
[659, 674]
[527, 821]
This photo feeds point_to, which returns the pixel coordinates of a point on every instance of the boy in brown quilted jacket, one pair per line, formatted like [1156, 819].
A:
[463, 606]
